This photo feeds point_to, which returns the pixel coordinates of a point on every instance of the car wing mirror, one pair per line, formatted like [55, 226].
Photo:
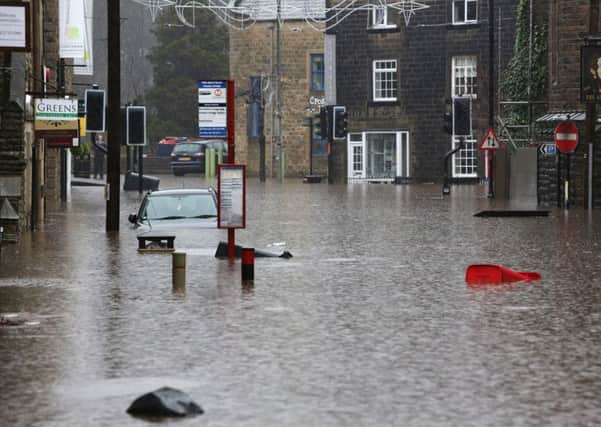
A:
[133, 218]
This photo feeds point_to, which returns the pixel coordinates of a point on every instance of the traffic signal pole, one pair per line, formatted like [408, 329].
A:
[491, 91]
[114, 116]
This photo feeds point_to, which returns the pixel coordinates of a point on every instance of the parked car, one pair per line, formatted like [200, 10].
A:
[175, 209]
[189, 156]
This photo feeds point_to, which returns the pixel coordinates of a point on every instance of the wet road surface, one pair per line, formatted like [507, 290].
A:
[369, 324]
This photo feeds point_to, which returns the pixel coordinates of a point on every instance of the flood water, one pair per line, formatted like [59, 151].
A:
[369, 324]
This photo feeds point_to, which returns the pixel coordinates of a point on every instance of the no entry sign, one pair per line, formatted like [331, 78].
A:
[566, 137]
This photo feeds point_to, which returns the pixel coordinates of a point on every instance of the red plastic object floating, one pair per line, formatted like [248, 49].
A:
[492, 273]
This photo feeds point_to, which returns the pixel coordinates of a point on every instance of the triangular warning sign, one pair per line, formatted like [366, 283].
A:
[490, 141]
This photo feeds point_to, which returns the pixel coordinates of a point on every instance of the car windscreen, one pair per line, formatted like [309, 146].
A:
[179, 206]
[188, 148]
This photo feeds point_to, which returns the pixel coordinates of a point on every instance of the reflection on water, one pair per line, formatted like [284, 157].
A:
[370, 323]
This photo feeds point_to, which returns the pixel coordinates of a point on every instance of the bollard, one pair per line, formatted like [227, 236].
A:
[178, 272]
[212, 155]
[248, 264]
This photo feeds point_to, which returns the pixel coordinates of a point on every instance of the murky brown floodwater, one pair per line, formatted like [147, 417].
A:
[369, 324]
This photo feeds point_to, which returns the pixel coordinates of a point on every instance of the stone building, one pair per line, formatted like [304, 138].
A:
[253, 53]
[569, 23]
[28, 172]
[397, 81]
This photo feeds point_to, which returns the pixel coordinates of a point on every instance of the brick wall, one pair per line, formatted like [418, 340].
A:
[424, 52]
[252, 53]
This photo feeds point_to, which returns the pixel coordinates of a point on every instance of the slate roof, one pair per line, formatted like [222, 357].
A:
[290, 9]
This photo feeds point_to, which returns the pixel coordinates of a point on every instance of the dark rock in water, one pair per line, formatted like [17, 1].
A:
[164, 402]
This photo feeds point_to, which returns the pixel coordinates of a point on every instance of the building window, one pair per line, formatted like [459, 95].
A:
[357, 160]
[379, 17]
[465, 163]
[378, 155]
[317, 72]
[385, 80]
[465, 11]
[464, 79]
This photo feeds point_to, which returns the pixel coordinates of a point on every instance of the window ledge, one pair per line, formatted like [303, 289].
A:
[383, 29]
[464, 25]
[391, 103]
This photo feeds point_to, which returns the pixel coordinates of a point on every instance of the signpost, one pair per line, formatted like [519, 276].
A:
[216, 119]
[490, 142]
[566, 140]
[548, 149]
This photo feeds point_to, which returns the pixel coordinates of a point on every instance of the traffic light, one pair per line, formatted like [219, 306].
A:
[463, 122]
[340, 122]
[95, 110]
[255, 121]
[136, 125]
[320, 124]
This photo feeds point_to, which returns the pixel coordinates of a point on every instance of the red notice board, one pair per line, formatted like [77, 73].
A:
[231, 196]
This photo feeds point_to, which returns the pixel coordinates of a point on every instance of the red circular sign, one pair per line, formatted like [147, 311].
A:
[566, 137]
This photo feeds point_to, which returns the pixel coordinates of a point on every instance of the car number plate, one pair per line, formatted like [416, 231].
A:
[185, 158]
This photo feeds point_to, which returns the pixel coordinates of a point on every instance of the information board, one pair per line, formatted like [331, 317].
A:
[212, 108]
[231, 200]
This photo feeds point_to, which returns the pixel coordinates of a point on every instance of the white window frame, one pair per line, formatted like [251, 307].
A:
[359, 140]
[377, 74]
[467, 65]
[471, 148]
[380, 11]
[462, 20]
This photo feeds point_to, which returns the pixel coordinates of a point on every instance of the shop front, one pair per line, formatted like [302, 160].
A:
[380, 156]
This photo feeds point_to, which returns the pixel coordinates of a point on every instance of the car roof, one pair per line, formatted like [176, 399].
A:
[181, 191]
[200, 141]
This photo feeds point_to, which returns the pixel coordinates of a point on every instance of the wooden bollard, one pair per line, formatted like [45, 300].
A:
[178, 272]
[248, 264]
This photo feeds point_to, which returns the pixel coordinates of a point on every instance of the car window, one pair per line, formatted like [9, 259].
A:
[187, 148]
[179, 206]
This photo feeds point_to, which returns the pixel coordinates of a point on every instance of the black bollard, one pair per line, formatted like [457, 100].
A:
[248, 264]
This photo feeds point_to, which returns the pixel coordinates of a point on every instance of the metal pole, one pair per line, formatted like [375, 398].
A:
[591, 112]
[231, 157]
[491, 88]
[114, 115]
[590, 176]
[567, 183]
[140, 169]
[278, 90]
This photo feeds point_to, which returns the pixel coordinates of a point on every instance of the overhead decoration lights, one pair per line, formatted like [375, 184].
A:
[241, 14]
[155, 6]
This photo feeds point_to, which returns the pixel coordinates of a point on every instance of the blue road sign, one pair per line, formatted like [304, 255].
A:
[548, 149]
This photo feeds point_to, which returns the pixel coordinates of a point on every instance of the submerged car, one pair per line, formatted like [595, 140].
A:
[174, 209]
[189, 156]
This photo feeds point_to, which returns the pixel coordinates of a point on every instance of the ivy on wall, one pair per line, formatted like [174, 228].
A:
[514, 86]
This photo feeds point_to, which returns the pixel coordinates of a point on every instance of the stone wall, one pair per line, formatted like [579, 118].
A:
[424, 50]
[568, 20]
[252, 53]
